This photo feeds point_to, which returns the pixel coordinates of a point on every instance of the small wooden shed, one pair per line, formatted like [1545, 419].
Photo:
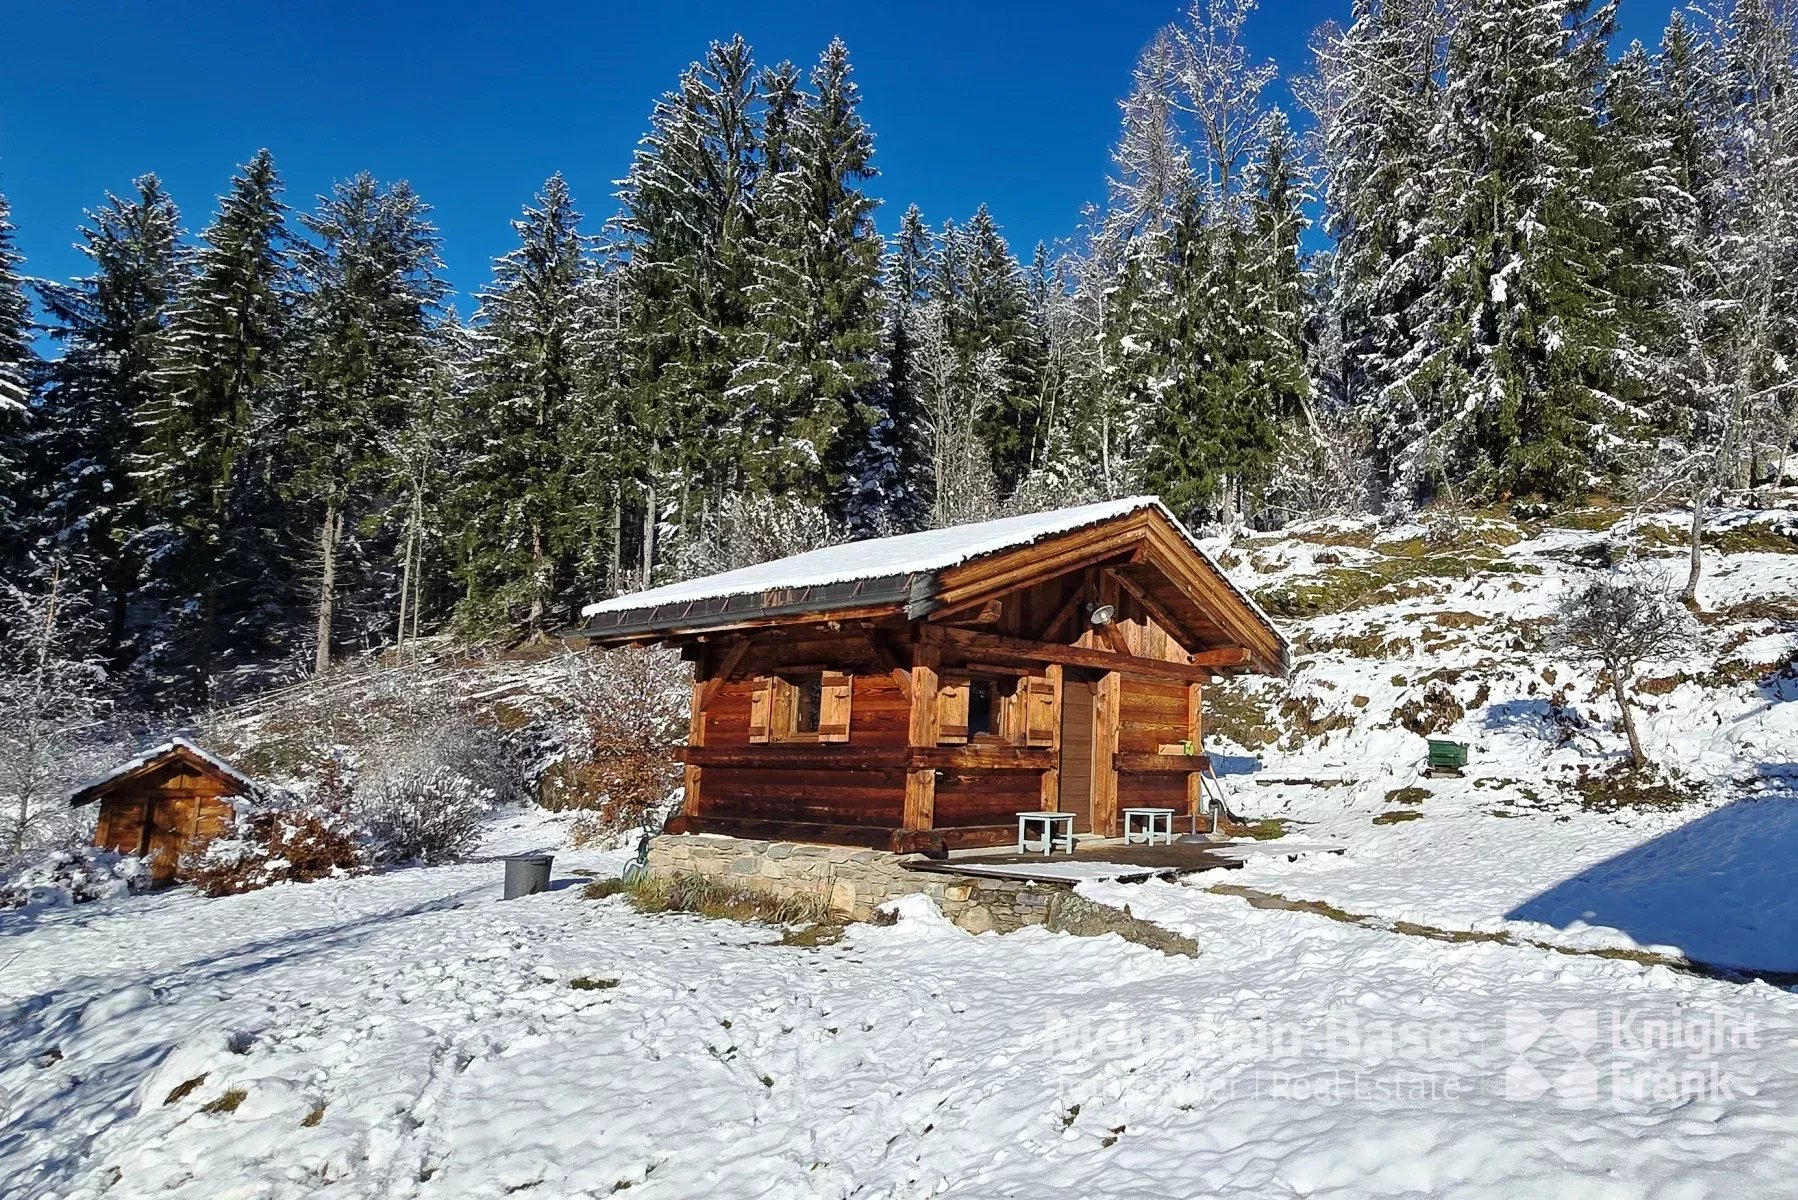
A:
[915, 693]
[165, 804]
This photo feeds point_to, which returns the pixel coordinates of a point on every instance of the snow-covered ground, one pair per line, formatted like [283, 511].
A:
[408, 1034]
[411, 1035]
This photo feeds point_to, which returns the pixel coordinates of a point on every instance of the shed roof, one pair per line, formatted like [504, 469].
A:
[155, 756]
[890, 570]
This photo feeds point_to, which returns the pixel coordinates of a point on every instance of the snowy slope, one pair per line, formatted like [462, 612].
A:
[1507, 847]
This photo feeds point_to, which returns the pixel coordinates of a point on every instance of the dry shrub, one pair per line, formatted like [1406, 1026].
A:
[629, 709]
[691, 893]
[283, 841]
[431, 816]
[1435, 710]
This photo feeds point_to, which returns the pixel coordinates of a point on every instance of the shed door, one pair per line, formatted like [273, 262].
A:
[170, 817]
[1077, 752]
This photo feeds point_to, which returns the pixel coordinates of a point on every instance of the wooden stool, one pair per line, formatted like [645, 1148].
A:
[1152, 818]
[1049, 821]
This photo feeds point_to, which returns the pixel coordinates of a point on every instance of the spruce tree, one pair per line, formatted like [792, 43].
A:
[1516, 344]
[111, 328]
[218, 365]
[814, 348]
[372, 296]
[18, 371]
[527, 378]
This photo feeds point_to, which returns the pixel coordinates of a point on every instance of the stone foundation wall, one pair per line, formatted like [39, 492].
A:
[852, 882]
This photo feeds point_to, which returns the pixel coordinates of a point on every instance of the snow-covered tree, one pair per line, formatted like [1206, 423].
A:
[371, 298]
[528, 371]
[110, 326]
[52, 701]
[218, 364]
[18, 369]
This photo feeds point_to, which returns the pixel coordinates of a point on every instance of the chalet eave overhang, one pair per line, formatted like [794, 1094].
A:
[908, 596]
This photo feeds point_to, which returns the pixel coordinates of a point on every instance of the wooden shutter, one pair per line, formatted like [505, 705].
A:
[952, 712]
[1039, 711]
[761, 709]
[833, 707]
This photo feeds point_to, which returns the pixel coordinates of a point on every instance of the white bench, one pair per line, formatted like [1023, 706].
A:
[1049, 821]
[1154, 820]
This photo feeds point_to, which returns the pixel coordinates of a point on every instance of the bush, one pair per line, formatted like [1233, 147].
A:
[429, 817]
[629, 710]
[280, 841]
[70, 875]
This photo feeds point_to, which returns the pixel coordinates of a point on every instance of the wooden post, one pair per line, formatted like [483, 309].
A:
[1195, 728]
[1052, 777]
[1107, 708]
[695, 737]
[920, 783]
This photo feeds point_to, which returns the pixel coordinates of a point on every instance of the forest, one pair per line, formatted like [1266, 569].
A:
[1474, 252]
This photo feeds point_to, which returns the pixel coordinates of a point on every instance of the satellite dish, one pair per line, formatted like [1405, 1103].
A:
[1105, 614]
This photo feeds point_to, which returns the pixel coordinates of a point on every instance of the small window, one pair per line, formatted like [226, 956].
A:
[983, 707]
[808, 703]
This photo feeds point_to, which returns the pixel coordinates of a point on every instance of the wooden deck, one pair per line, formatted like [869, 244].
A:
[1091, 858]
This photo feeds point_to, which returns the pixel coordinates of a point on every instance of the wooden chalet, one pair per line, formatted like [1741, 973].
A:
[915, 693]
[165, 804]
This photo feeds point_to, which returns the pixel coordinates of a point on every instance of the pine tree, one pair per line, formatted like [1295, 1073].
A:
[372, 295]
[813, 370]
[527, 377]
[111, 327]
[217, 367]
[993, 319]
[889, 476]
[1516, 377]
[18, 371]
[1378, 102]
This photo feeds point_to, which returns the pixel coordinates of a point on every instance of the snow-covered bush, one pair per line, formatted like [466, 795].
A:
[70, 875]
[428, 817]
[281, 840]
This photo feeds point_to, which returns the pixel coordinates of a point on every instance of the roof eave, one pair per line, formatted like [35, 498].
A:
[901, 594]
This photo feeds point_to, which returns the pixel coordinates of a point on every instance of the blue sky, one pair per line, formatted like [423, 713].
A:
[1004, 101]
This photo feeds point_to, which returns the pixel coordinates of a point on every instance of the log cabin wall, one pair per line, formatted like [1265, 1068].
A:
[857, 789]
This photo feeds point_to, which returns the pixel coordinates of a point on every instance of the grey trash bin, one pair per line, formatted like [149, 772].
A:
[527, 874]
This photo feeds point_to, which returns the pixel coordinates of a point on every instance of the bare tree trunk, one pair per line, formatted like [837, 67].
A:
[536, 618]
[1636, 754]
[615, 563]
[649, 531]
[399, 650]
[327, 584]
[1695, 567]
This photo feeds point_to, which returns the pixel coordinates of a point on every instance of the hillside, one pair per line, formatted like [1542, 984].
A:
[1397, 638]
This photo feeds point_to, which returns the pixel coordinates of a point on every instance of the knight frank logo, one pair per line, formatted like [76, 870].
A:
[1549, 1055]
[1625, 1056]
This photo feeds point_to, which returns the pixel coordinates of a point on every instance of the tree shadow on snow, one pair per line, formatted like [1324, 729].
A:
[1718, 888]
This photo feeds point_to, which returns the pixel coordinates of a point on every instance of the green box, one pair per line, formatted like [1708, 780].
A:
[1446, 755]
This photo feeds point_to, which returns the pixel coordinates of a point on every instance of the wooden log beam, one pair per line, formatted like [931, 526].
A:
[1174, 627]
[707, 692]
[1222, 656]
[974, 642]
[1159, 764]
[888, 657]
[1067, 610]
[920, 782]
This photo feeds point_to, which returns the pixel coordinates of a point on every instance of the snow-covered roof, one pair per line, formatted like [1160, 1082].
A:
[145, 758]
[908, 554]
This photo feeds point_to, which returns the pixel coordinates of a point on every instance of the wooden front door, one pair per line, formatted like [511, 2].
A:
[1077, 752]
[165, 835]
